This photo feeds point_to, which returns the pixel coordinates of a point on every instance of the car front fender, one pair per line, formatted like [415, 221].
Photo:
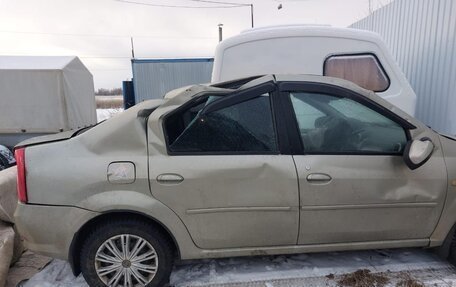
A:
[448, 217]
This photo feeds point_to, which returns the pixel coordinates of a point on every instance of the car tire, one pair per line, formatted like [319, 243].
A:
[101, 263]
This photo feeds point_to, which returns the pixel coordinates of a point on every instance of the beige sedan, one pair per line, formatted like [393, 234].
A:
[276, 164]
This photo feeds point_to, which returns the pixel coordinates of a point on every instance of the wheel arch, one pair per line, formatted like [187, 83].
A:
[78, 238]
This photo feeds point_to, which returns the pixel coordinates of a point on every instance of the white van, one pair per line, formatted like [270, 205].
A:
[356, 55]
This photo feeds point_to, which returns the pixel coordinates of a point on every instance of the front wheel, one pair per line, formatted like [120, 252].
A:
[126, 253]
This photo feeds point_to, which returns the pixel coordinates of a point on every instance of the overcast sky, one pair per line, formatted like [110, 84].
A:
[98, 31]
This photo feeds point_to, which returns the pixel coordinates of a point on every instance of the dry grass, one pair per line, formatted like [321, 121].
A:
[109, 102]
[408, 281]
[363, 278]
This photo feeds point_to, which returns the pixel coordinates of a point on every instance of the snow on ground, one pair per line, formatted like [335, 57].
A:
[291, 270]
[104, 114]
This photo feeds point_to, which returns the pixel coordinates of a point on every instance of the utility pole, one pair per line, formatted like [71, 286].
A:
[370, 7]
[220, 28]
[251, 13]
[132, 48]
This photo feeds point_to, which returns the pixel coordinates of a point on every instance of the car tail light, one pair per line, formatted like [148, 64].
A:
[21, 184]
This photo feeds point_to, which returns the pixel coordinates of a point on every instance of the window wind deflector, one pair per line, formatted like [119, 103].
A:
[235, 84]
[238, 97]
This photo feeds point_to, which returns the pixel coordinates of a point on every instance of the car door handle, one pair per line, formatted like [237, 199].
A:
[318, 178]
[169, 178]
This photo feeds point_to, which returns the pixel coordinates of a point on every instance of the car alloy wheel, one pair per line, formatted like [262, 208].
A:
[126, 260]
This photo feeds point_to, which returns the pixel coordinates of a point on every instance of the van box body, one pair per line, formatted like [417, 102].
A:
[307, 50]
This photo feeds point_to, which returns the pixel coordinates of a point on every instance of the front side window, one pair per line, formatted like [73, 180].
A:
[330, 124]
[244, 127]
[363, 70]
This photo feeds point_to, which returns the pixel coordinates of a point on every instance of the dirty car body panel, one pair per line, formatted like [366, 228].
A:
[362, 184]
[286, 193]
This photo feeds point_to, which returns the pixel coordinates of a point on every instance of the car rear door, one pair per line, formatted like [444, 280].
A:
[224, 174]
[354, 184]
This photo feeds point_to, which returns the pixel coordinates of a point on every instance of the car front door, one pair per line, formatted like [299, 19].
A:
[223, 173]
[354, 183]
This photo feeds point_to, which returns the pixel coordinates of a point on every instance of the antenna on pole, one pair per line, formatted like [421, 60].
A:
[370, 7]
[220, 28]
[132, 48]
[251, 13]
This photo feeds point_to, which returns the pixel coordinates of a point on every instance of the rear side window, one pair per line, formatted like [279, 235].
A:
[245, 127]
[363, 70]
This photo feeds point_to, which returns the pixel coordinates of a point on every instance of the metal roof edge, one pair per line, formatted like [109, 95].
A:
[176, 60]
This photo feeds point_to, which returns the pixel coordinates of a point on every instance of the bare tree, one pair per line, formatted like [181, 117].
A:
[109, 92]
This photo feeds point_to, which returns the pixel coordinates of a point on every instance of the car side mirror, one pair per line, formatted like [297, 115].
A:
[418, 152]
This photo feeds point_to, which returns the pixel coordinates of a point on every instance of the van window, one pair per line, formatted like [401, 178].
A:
[363, 70]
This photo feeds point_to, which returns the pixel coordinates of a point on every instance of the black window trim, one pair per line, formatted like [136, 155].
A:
[285, 88]
[281, 123]
[360, 54]
[229, 99]
[287, 125]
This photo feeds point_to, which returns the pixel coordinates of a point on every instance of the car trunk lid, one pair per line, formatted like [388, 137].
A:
[47, 138]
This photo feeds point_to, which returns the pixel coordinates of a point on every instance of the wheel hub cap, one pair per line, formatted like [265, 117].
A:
[126, 264]
[126, 260]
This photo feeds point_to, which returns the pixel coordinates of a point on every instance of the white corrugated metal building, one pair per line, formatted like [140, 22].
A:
[153, 78]
[422, 36]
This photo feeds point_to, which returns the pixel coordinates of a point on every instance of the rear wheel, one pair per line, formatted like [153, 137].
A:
[126, 253]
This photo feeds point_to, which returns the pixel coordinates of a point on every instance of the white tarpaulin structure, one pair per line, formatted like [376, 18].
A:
[41, 95]
[10, 249]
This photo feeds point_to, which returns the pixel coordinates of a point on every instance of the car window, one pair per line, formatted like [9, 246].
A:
[306, 114]
[344, 126]
[359, 112]
[363, 70]
[243, 127]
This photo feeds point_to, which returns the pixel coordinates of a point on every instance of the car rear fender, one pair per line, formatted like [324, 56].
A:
[140, 203]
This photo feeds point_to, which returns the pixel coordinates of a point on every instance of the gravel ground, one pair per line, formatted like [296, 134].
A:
[320, 269]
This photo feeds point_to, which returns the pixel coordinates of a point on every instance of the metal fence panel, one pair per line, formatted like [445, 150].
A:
[152, 79]
[422, 36]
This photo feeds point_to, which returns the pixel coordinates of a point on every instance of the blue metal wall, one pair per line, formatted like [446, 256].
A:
[422, 36]
[128, 93]
[153, 78]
